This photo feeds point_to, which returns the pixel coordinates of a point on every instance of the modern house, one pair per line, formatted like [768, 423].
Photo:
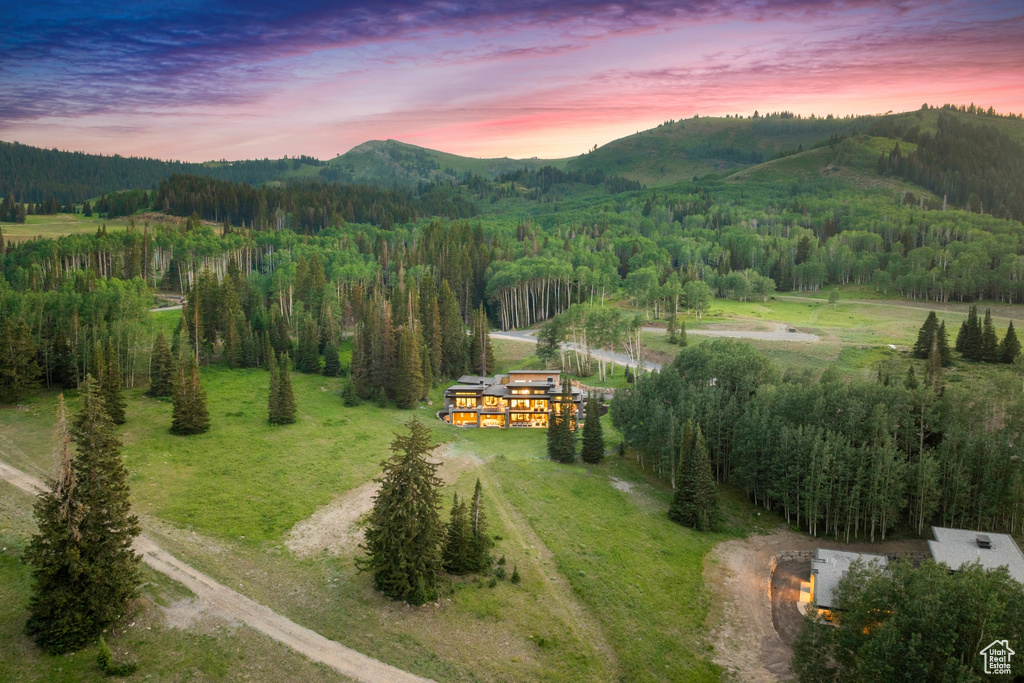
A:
[828, 566]
[957, 547]
[520, 398]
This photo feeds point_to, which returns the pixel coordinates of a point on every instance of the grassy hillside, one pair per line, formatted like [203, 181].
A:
[680, 150]
[391, 161]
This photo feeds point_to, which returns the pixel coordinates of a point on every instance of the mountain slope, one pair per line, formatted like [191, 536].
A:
[393, 162]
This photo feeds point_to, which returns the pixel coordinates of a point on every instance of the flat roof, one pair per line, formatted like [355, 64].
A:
[534, 372]
[528, 383]
[466, 387]
[957, 547]
[828, 566]
[474, 379]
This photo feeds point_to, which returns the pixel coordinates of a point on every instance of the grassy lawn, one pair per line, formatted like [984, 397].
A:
[200, 648]
[610, 588]
[59, 224]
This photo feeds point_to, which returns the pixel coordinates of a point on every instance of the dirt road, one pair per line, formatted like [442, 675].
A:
[231, 605]
[738, 574]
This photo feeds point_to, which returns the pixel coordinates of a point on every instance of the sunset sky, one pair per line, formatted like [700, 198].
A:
[252, 78]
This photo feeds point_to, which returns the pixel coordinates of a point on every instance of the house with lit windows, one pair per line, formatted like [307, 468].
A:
[520, 398]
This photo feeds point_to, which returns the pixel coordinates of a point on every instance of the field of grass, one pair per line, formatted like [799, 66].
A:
[57, 225]
[610, 588]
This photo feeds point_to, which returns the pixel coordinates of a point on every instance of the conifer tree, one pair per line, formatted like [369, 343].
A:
[307, 357]
[961, 338]
[285, 397]
[481, 354]
[1009, 348]
[453, 333]
[113, 399]
[428, 377]
[561, 433]
[933, 374]
[189, 415]
[911, 381]
[348, 395]
[456, 554]
[593, 438]
[672, 327]
[19, 371]
[404, 534]
[681, 338]
[924, 336]
[706, 491]
[161, 369]
[683, 510]
[944, 353]
[972, 336]
[430, 324]
[84, 569]
[989, 341]
[409, 378]
[332, 364]
[480, 543]
[273, 395]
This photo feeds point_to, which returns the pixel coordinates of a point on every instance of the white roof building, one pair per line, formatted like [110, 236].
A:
[957, 547]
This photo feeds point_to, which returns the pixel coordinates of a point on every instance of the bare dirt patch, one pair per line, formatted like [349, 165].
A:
[335, 527]
[738, 573]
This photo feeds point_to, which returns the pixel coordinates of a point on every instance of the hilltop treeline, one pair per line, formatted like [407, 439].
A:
[976, 167]
[307, 207]
[849, 460]
[31, 174]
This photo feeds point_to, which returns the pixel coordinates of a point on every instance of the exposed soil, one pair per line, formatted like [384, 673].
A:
[786, 616]
[334, 528]
[221, 601]
[738, 574]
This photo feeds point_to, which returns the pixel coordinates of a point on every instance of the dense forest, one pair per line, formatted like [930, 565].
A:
[844, 459]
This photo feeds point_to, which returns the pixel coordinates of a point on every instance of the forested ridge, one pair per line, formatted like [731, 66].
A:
[843, 459]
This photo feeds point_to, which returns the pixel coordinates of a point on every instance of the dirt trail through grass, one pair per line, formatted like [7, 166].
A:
[231, 605]
[575, 615]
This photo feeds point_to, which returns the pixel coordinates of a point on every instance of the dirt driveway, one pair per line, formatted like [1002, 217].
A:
[738, 575]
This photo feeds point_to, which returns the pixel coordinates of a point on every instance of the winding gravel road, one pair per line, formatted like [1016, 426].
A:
[231, 605]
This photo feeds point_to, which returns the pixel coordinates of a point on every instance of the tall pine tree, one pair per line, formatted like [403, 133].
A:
[924, 336]
[480, 542]
[561, 428]
[285, 402]
[1009, 348]
[113, 397]
[189, 415]
[989, 340]
[593, 438]
[161, 369]
[409, 378]
[19, 371]
[404, 534]
[456, 554]
[82, 561]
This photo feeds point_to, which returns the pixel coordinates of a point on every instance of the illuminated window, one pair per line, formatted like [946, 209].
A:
[539, 405]
[492, 420]
[461, 419]
[493, 402]
[520, 404]
[465, 402]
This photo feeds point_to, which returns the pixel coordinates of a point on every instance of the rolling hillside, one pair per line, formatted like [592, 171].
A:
[393, 162]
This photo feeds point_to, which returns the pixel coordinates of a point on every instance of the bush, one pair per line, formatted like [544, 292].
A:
[516, 578]
[105, 660]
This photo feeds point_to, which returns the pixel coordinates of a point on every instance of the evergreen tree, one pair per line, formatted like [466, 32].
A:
[161, 372]
[285, 397]
[911, 381]
[456, 554]
[409, 378]
[189, 415]
[1009, 348]
[332, 363]
[307, 358]
[961, 338]
[706, 492]
[944, 353]
[989, 341]
[65, 367]
[593, 438]
[480, 543]
[933, 375]
[404, 534]
[430, 324]
[481, 355]
[348, 395]
[673, 324]
[84, 569]
[924, 336]
[681, 339]
[19, 371]
[972, 336]
[561, 432]
[113, 399]
[683, 510]
[453, 333]
[273, 395]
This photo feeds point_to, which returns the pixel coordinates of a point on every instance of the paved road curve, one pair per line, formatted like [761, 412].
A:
[232, 605]
[618, 358]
